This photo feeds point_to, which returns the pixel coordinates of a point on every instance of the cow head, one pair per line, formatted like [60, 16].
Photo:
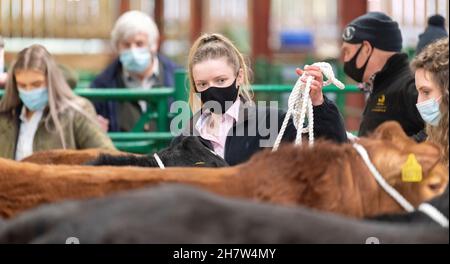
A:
[191, 152]
[389, 148]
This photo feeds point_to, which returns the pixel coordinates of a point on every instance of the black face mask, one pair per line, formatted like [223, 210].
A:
[352, 71]
[213, 97]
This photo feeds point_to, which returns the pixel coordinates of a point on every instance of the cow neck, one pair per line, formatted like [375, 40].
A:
[372, 196]
[357, 196]
[389, 197]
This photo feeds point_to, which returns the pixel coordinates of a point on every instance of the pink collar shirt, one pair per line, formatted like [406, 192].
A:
[215, 128]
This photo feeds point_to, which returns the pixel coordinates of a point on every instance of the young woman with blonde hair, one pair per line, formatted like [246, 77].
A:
[431, 70]
[39, 111]
[225, 117]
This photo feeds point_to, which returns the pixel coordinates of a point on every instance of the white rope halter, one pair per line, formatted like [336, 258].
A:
[300, 105]
[426, 208]
[159, 161]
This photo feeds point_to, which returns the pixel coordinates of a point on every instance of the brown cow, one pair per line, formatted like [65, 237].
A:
[68, 156]
[189, 152]
[327, 177]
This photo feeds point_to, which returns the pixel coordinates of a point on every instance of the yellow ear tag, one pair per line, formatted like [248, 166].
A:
[412, 170]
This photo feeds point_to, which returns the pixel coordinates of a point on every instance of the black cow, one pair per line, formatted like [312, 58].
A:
[190, 152]
[441, 203]
[181, 214]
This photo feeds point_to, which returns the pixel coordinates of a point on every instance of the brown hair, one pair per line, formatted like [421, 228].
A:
[434, 59]
[60, 95]
[214, 46]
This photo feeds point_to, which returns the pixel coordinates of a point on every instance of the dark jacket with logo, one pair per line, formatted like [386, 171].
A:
[394, 97]
[248, 135]
[111, 77]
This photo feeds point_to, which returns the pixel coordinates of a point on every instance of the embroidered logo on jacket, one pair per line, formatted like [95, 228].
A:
[381, 104]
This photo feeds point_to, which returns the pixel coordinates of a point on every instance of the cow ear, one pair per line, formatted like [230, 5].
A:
[393, 132]
[427, 154]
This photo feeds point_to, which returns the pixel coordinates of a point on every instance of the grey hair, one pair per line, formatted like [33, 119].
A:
[134, 22]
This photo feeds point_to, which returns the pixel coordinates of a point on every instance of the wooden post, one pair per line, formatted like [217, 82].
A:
[196, 20]
[260, 28]
[349, 10]
[159, 19]
[124, 6]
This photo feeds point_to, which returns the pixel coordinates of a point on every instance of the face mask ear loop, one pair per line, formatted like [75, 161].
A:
[368, 58]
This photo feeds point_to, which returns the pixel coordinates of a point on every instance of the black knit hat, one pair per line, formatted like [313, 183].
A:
[434, 31]
[377, 28]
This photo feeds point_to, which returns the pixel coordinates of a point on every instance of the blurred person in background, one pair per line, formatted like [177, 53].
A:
[39, 111]
[139, 65]
[434, 31]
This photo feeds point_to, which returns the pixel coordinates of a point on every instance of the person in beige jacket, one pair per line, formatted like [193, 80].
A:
[39, 111]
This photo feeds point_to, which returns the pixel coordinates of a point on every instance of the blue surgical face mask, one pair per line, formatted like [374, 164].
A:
[136, 60]
[429, 111]
[35, 99]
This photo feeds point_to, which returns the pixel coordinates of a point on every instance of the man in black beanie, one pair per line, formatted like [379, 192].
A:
[371, 52]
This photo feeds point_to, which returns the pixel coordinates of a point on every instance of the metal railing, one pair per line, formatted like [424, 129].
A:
[158, 100]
